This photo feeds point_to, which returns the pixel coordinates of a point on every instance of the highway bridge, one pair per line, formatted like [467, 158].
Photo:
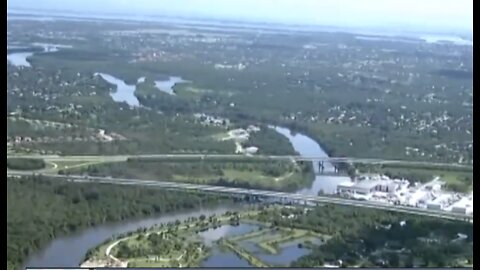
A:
[260, 194]
[179, 157]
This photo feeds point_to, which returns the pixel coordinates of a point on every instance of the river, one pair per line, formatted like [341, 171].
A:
[123, 92]
[126, 93]
[167, 85]
[70, 250]
[307, 147]
[20, 59]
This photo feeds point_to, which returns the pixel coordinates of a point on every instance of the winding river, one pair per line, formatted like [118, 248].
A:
[307, 147]
[167, 85]
[69, 251]
[123, 92]
[20, 59]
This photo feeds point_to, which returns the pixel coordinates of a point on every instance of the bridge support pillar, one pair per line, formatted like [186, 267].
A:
[321, 167]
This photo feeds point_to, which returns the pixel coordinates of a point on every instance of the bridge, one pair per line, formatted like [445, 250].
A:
[259, 194]
[233, 157]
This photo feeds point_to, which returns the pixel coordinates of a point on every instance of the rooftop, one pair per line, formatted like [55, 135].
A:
[368, 184]
[464, 202]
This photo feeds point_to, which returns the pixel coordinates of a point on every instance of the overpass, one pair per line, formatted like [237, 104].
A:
[279, 196]
[233, 157]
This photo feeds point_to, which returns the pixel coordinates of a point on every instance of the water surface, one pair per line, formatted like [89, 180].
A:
[307, 147]
[69, 251]
[211, 235]
[19, 59]
[224, 258]
[124, 92]
[166, 86]
[288, 251]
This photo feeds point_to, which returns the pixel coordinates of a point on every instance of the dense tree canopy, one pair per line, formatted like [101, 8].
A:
[39, 209]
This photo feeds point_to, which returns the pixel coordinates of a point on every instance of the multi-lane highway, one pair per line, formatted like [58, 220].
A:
[295, 198]
[173, 157]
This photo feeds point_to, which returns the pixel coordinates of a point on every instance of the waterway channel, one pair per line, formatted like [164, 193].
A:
[69, 251]
[123, 92]
[225, 258]
[20, 59]
[167, 85]
[307, 147]
[126, 93]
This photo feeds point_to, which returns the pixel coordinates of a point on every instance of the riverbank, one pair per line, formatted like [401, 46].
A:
[190, 241]
[72, 217]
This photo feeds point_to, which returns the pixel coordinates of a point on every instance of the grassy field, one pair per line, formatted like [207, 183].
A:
[244, 254]
[283, 175]
[454, 180]
[191, 254]
[254, 234]
[65, 165]
[271, 245]
[254, 177]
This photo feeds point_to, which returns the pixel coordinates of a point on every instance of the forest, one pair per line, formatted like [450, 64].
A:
[395, 100]
[25, 164]
[39, 209]
[373, 238]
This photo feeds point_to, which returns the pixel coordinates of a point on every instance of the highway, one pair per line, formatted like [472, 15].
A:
[173, 157]
[295, 198]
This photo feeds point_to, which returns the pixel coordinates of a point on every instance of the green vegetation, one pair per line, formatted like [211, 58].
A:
[363, 237]
[73, 123]
[243, 253]
[272, 245]
[164, 245]
[361, 98]
[180, 243]
[65, 165]
[270, 143]
[456, 179]
[277, 175]
[39, 209]
[354, 236]
[364, 98]
[25, 164]
[160, 250]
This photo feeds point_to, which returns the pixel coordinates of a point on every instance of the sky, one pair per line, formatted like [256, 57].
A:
[423, 14]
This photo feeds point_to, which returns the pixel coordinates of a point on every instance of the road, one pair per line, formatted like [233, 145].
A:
[295, 198]
[173, 157]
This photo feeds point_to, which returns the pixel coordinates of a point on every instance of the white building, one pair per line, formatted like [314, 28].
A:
[368, 185]
[440, 202]
[463, 206]
[253, 128]
[359, 188]
[251, 150]
[417, 197]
